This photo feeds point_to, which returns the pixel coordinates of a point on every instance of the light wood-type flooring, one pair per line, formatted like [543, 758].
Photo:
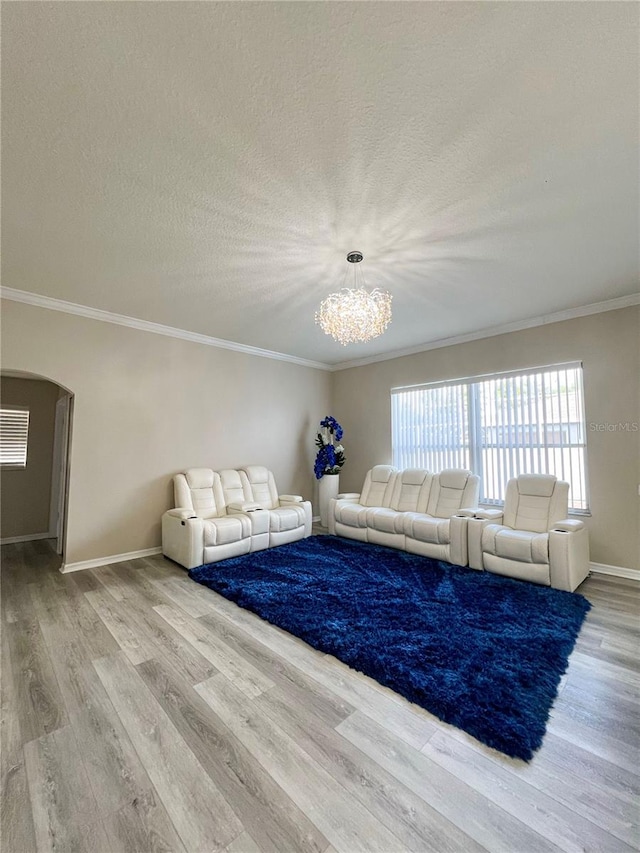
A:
[143, 712]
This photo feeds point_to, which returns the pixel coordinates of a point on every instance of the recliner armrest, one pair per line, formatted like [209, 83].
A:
[488, 514]
[568, 554]
[349, 496]
[568, 525]
[476, 525]
[291, 499]
[244, 506]
[458, 538]
[181, 513]
[183, 537]
[465, 513]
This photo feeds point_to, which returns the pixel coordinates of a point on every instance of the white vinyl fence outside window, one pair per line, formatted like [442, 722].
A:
[14, 435]
[498, 426]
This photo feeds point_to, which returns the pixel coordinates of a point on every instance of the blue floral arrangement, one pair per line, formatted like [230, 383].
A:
[330, 457]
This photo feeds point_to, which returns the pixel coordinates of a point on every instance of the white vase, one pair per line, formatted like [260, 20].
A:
[328, 487]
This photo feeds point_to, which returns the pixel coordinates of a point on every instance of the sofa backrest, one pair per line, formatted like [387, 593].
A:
[235, 486]
[453, 489]
[535, 502]
[411, 490]
[200, 490]
[262, 485]
[378, 486]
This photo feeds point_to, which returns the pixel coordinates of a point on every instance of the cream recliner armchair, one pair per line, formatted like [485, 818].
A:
[348, 512]
[532, 539]
[413, 510]
[200, 530]
[289, 515]
[229, 513]
[438, 527]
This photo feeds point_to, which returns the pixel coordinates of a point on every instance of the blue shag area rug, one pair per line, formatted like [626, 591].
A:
[480, 651]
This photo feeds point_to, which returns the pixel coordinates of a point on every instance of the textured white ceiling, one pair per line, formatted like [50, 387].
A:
[208, 165]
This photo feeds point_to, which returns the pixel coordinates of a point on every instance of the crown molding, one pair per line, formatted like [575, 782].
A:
[543, 320]
[52, 304]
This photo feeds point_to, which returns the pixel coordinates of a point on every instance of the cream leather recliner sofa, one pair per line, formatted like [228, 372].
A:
[229, 513]
[532, 539]
[413, 510]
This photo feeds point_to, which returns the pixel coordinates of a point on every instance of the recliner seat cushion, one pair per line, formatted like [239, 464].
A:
[539, 485]
[424, 528]
[286, 518]
[532, 513]
[262, 485]
[384, 520]
[522, 546]
[411, 490]
[229, 528]
[534, 502]
[235, 486]
[449, 490]
[378, 486]
[200, 489]
[350, 514]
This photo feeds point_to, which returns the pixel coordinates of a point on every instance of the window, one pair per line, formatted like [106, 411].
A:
[14, 434]
[499, 426]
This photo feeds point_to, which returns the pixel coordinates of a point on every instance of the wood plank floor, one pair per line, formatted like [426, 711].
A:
[141, 712]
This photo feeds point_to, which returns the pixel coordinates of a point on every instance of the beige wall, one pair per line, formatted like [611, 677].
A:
[26, 492]
[608, 344]
[147, 406]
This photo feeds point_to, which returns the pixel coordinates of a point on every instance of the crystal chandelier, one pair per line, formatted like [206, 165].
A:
[353, 315]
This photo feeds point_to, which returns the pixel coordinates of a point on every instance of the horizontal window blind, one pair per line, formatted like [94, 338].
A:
[498, 426]
[14, 435]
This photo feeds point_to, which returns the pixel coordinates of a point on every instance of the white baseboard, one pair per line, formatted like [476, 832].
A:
[106, 561]
[616, 571]
[600, 568]
[30, 537]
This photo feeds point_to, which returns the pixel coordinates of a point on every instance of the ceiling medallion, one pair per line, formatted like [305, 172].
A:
[355, 314]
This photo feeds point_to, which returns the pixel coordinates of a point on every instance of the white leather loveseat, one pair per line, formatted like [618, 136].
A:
[532, 539]
[413, 510]
[229, 513]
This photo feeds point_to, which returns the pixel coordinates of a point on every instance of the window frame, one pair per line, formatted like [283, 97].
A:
[13, 466]
[475, 428]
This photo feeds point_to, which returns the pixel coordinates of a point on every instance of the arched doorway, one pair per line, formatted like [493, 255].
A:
[35, 458]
